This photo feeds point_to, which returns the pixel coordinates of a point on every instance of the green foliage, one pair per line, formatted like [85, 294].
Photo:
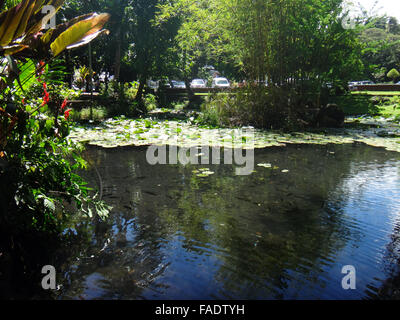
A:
[98, 114]
[150, 102]
[122, 100]
[288, 41]
[271, 108]
[393, 74]
[355, 104]
[36, 172]
[81, 76]
[56, 72]
[130, 90]
[21, 24]
[39, 186]
[381, 47]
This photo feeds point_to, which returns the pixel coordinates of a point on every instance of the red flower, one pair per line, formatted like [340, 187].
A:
[64, 104]
[66, 114]
[46, 97]
[23, 101]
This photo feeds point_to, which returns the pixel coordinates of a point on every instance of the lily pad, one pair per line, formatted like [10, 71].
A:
[265, 165]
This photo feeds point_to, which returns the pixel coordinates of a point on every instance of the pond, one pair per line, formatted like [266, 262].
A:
[283, 232]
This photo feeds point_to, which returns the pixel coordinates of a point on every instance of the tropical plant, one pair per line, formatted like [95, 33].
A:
[81, 76]
[39, 187]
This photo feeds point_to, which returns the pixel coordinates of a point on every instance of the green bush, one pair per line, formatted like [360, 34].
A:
[130, 90]
[393, 74]
[150, 102]
[122, 100]
[271, 108]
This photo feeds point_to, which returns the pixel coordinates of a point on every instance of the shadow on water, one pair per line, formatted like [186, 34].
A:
[283, 232]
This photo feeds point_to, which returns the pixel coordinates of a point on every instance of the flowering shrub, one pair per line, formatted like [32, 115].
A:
[38, 184]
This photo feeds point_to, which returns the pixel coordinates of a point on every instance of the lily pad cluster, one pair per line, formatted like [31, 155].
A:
[203, 172]
[142, 132]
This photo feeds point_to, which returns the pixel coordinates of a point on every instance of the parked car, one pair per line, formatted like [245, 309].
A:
[354, 84]
[220, 83]
[178, 84]
[198, 83]
[365, 83]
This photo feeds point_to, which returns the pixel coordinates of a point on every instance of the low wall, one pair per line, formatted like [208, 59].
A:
[377, 87]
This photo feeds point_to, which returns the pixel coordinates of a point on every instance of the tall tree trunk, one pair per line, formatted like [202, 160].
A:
[142, 83]
[117, 64]
[189, 91]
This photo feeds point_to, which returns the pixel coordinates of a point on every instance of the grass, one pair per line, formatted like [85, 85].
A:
[389, 110]
[99, 114]
[377, 93]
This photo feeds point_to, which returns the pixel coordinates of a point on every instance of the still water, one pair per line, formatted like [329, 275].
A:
[270, 235]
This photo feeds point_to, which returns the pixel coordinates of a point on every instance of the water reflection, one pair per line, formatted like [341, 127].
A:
[270, 235]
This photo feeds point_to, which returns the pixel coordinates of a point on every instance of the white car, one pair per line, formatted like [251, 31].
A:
[221, 83]
[198, 83]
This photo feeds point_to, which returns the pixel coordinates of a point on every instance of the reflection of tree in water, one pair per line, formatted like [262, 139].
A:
[123, 257]
[390, 289]
[275, 227]
[265, 229]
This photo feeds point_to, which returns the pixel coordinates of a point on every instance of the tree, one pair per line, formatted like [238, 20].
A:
[393, 26]
[381, 48]
[194, 41]
[153, 40]
[288, 42]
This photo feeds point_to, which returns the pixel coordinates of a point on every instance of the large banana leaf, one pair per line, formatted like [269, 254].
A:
[52, 34]
[79, 33]
[87, 39]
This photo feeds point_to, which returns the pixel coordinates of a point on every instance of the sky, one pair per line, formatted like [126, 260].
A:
[390, 7]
